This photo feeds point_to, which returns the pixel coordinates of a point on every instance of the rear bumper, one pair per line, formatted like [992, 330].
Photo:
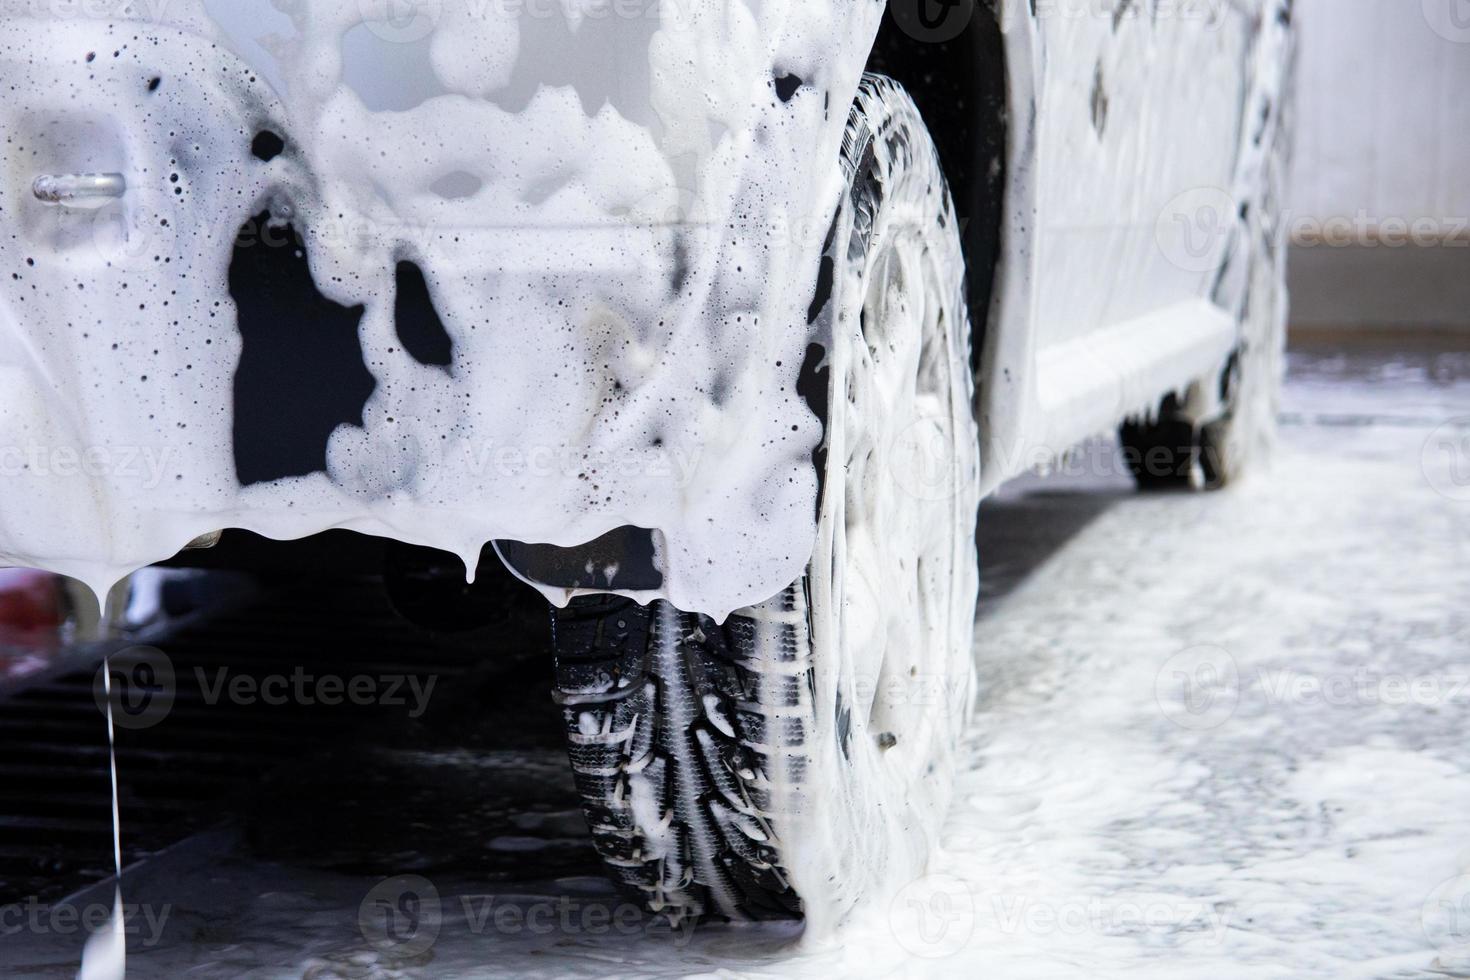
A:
[612, 350]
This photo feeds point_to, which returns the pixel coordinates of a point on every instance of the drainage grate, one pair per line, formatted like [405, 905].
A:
[254, 688]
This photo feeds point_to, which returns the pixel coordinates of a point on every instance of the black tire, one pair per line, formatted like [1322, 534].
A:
[731, 769]
[675, 714]
[1171, 451]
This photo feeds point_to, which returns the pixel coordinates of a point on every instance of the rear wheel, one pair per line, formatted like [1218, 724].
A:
[1185, 445]
[785, 762]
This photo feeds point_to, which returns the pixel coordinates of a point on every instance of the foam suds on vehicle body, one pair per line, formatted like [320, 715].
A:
[623, 279]
[622, 273]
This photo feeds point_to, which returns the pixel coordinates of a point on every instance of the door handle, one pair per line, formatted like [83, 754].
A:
[79, 190]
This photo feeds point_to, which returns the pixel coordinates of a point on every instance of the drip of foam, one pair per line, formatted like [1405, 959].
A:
[106, 954]
[626, 289]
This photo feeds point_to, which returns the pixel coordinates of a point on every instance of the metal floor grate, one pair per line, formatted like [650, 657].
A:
[191, 768]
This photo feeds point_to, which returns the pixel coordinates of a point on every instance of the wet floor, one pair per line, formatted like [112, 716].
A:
[1221, 735]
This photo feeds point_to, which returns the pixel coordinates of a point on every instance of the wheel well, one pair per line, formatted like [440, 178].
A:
[956, 74]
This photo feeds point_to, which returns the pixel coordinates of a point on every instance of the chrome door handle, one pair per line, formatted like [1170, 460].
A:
[79, 190]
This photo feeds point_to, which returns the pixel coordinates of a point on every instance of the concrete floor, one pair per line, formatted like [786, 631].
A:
[1221, 735]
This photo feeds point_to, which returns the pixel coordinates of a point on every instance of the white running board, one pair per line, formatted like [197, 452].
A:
[1091, 384]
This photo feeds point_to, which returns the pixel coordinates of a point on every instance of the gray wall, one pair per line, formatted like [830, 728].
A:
[1380, 200]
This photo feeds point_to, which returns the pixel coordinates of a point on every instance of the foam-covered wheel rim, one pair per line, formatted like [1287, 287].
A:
[799, 756]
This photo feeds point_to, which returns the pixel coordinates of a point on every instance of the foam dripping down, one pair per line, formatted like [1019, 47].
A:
[106, 953]
[597, 352]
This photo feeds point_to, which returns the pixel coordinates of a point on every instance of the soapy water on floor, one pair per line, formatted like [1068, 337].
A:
[1218, 735]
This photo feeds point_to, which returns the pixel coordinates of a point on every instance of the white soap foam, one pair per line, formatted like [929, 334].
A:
[611, 366]
[105, 956]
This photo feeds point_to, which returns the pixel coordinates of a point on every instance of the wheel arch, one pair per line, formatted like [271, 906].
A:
[956, 74]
